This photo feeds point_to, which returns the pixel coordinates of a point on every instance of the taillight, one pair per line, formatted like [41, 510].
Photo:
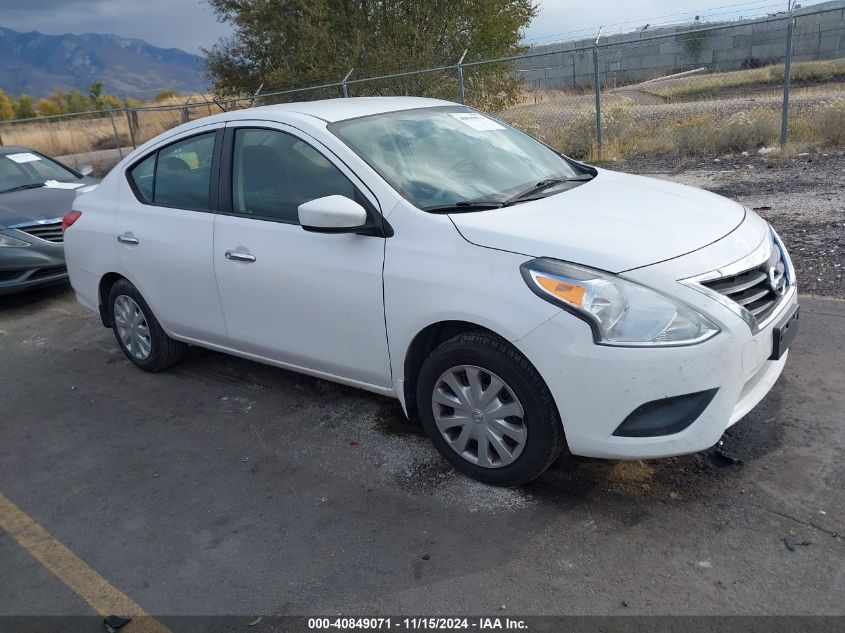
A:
[69, 219]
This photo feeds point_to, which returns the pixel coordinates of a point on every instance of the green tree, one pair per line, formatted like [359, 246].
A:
[75, 101]
[95, 90]
[291, 43]
[24, 107]
[7, 108]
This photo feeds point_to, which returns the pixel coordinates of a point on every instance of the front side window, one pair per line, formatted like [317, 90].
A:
[451, 154]
[178, 175]
[275, 172]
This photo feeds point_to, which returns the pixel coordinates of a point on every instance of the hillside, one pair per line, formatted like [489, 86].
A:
[36, 64]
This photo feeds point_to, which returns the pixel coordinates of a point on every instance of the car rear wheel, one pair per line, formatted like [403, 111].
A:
[488, 411]
[138, 332]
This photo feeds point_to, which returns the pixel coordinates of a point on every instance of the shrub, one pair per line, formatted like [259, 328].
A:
[695, 135]
[166, 95]
[110, 142]
[826, 124]
[577, 138]
[746, 131]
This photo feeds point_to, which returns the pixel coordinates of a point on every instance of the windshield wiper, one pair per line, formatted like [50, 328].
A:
[524, 196]
[32, 185]
[465, 205]
[545, 184]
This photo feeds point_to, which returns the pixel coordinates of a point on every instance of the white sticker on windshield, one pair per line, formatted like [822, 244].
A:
[476, 121]
[23, 157]
[55, 184]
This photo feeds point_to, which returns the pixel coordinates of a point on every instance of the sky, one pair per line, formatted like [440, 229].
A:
[191, 24]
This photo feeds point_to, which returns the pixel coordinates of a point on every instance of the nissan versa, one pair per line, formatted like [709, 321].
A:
[517, 300]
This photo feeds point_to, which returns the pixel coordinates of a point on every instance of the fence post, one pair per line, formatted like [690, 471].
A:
[116, 135]
[597, 82]
[461, 98]
[344, 86]
[787, 80]
[255, 96]
[129, 122]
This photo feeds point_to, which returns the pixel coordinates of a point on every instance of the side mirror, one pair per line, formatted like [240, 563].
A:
[332, 214]
[85, 170]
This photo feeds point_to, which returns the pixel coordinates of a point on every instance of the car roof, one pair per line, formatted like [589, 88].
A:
[340, 109]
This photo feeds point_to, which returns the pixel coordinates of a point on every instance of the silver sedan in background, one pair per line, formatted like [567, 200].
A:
[35, 193]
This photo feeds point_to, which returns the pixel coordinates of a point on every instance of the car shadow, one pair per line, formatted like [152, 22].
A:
[571, 480]
[685, 478]
[33, 297]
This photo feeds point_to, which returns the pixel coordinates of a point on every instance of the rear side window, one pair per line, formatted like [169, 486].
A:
[178, 175]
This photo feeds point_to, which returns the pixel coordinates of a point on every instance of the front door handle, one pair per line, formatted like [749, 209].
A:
[239, 256]
[127, 238]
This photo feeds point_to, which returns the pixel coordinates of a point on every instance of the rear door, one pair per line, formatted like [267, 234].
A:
[310, 300]
[164, 227]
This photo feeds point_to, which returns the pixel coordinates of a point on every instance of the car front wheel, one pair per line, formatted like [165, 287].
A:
[138, 332]
[488, 411]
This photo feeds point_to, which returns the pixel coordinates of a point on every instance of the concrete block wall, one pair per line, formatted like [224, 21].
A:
[641, 55]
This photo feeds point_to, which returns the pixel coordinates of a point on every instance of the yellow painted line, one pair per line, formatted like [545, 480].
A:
[105, 598]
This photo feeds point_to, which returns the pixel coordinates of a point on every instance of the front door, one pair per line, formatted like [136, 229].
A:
[309, 300]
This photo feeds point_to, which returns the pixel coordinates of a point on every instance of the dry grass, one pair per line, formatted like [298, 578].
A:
[563, 119]
[77, 135]
[624, 134]
[807, 72]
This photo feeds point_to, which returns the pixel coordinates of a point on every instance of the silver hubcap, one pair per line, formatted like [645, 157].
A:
[132, 327]
[479, 416]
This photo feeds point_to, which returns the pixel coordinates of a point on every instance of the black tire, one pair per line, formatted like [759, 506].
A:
[545, 437]
[164, 351]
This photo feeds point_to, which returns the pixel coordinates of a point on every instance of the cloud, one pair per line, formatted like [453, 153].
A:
[191, 24]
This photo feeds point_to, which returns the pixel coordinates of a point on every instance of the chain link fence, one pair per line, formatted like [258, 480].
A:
[705, 90]
[700, 89]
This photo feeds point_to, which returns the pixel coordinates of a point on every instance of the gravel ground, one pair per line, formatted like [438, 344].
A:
[802, 197]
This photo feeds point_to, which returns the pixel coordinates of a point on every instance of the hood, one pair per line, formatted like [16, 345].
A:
[613, 222]
[33, 205]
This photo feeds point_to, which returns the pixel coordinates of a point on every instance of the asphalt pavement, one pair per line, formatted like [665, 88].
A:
[231, 488]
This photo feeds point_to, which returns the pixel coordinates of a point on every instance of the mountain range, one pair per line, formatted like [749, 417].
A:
[36, 64]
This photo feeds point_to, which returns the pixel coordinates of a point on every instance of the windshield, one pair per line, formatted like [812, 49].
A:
[22, 169]
[443, 156]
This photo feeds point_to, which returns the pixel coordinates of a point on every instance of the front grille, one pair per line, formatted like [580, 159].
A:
[50, 231]
[759, 290]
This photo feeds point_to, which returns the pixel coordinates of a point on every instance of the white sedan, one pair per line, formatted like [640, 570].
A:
[516, 300]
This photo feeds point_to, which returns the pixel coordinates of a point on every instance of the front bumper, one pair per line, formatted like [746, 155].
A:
[597, 387]
[25, 267]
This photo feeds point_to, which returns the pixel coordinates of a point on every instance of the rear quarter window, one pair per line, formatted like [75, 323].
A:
[141, 176]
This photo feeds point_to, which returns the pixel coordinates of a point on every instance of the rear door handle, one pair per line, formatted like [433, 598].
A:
[127, 238]
[239, 256]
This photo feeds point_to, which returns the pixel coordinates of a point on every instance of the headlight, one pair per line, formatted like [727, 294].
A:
[6, 240]
[619, 311]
